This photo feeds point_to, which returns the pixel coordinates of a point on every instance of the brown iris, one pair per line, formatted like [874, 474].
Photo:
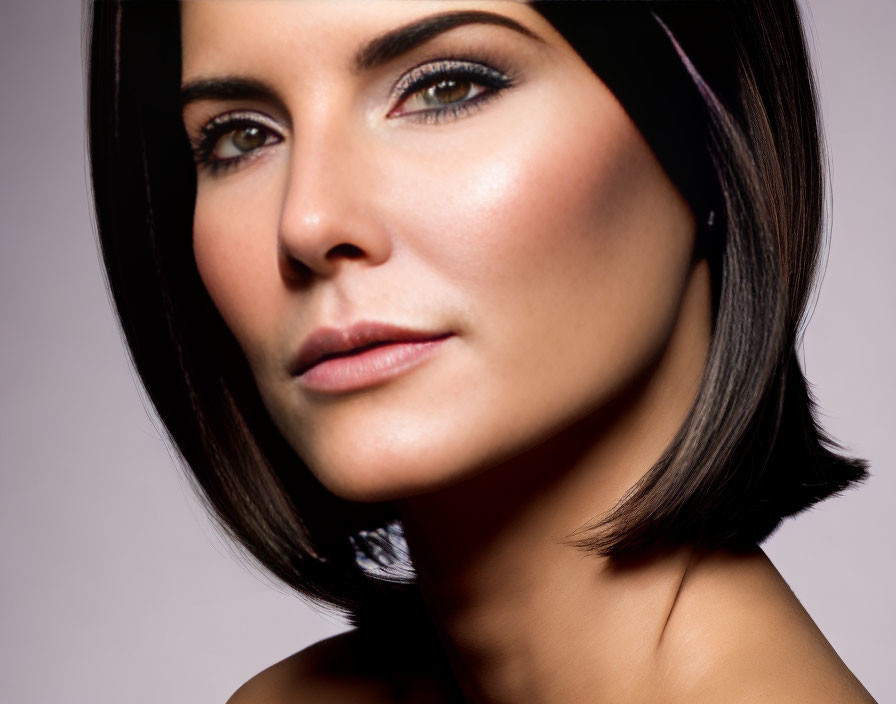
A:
[248, 138]
[446, 91]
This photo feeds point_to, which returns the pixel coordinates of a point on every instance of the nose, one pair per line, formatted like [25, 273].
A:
[331, 213]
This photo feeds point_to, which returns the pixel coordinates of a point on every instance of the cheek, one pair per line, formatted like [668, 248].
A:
[560, 201]
[570, 239]
[236, 258]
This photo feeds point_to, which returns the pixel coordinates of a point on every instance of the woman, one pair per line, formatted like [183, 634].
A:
[516, 283]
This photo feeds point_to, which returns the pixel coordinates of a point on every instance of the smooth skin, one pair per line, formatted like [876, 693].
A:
[533, 223]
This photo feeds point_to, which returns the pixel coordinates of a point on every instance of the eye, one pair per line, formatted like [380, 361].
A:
[228, 139]
[445, 89]
[442, 93]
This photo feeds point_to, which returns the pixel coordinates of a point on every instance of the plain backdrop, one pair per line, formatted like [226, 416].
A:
[115, 588]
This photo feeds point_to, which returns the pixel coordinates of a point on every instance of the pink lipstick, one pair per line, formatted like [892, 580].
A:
[333, 360]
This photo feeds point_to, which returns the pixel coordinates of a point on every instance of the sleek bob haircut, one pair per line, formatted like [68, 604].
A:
[749, 452]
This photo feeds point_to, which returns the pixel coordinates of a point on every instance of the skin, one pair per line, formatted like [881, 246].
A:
[561, 257]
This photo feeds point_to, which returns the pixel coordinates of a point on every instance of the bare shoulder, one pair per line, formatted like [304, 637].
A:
[737, 633]
[333, 670]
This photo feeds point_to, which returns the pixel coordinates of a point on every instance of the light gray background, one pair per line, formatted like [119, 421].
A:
[113, 585]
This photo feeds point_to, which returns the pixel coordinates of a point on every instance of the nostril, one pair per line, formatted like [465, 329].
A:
[345, 251]
[293, 269]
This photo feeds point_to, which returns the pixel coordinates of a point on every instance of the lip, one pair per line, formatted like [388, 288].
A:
[333, 360]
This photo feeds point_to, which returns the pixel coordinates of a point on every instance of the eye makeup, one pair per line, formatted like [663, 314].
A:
[432, 92]
[246, 126]
[455, 79]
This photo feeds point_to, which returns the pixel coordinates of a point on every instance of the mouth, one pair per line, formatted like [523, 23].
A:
[335, 360]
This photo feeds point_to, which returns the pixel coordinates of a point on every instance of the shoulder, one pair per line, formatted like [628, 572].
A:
[333, 670]
[739, 634]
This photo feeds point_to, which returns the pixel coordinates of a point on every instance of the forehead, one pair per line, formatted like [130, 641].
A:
[259, 35]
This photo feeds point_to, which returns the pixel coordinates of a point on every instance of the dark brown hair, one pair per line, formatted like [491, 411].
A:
[748, 454]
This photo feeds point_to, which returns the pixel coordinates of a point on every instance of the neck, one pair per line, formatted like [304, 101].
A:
[526, 616]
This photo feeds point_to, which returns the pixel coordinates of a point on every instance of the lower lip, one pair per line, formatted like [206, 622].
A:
[368, 368]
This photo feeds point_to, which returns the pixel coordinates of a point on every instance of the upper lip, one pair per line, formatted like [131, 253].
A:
[325, 342]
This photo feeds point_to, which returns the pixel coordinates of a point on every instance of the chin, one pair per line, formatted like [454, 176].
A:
[388, 463]
[397, 454]
[381, 474]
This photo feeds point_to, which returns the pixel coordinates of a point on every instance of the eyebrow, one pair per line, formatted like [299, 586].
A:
[400, 41]
[228, 88]
[375, 53]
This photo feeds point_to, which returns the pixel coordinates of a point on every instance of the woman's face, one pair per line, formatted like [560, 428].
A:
[472, 183]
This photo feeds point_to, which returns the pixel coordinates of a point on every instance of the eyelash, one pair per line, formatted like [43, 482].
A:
[211, 133]
[431, 74]
[415, 81]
